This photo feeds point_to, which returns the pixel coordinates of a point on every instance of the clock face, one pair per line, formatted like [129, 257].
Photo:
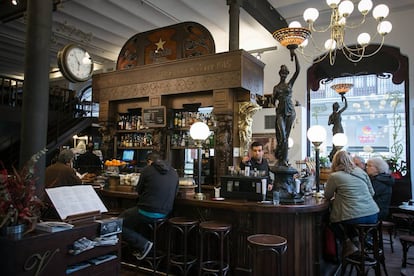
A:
[75, 63]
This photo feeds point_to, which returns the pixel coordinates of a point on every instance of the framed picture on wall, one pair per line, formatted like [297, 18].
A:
[268, 141]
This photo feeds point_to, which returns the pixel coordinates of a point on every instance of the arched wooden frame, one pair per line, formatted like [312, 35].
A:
[388, 60]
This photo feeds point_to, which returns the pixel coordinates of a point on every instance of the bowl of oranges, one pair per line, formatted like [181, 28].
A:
[113, 166]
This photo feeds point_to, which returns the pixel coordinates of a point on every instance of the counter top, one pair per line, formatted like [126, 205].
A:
[311, 204]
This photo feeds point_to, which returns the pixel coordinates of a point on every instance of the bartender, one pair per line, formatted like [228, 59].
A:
[257, 163]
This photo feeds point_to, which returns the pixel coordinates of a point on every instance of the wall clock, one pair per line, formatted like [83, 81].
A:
[75, 63]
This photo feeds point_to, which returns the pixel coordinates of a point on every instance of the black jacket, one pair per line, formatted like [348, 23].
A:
[157, 188]
[382, 184]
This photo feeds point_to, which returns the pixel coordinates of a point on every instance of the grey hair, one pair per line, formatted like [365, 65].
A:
[380, 164]
[362, 160]
[65, 156]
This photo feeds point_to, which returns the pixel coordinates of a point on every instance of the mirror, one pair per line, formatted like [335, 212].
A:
[375, 119]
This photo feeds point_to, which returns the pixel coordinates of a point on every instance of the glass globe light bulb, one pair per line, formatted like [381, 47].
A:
[380, 12]
[333, 3]
[310, 15]
[364, 39]
[330, 44]
[304, 43]
[295, 24]
[345, 8]
[384, 27]
[316, 133]
[340, 139]
[199, 131]
[364, 6]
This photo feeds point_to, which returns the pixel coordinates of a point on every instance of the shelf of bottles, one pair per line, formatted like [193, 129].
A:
[183, 120]
[128, 121]
[135, 140]
[132, 134]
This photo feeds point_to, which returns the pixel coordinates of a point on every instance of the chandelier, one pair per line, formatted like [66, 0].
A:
[296, 37]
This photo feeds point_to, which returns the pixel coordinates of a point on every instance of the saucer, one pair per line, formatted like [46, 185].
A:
[217, 198]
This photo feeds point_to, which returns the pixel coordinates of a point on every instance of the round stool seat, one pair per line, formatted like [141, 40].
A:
[402, 216]
[267, 240]
[407, 238]
[182, 221]
[215, 226]
[266, 243]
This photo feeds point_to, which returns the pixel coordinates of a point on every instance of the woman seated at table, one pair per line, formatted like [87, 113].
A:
[351, 192]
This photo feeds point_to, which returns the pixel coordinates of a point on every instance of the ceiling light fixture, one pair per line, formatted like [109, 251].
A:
[342, 88]
[15, 2]
[295, 36]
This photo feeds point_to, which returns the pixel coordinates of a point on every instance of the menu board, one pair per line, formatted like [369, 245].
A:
[154, 116]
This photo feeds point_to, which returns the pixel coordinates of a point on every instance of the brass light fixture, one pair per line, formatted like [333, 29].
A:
[342, 88]
[297, 37]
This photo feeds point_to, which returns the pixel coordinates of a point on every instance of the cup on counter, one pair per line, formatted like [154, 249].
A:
[231, 170]
[217, 192]
[405, 203]
[247, 171]
[276, 197]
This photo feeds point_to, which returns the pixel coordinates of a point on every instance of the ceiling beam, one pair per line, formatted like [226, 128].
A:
[265, 14]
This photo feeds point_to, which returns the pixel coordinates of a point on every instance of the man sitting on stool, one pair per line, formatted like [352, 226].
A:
[157, 188]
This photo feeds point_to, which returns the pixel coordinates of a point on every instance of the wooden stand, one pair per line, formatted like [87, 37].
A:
[42, 253]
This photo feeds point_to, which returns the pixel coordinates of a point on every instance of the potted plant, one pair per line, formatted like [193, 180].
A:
[19, 205]
[397, 166]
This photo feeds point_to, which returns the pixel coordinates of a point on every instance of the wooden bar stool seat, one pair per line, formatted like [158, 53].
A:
[214, 235]
[265, 242]
[179, 256]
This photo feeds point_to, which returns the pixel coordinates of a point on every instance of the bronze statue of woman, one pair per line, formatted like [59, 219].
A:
[335, 118]
[285, 111]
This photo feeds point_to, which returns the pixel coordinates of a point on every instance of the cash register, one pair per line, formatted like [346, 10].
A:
[244, 187]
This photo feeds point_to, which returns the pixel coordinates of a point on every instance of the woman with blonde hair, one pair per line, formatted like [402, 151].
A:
[351, 192]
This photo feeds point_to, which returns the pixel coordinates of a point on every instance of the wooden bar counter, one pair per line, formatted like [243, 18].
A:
[301, 225]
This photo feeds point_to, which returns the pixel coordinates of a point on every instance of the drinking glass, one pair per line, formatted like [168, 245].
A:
[276, 197]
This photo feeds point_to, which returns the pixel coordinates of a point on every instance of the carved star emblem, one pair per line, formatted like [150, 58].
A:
[160, 44]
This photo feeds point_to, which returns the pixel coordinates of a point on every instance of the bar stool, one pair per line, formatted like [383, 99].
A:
[217, 264]
[389, 227]
[180, 229]
[264, 242]
[367, 258]
[157, 255]
[406, 241]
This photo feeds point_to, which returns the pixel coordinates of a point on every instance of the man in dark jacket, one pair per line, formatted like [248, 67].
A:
[382, 181]
[89, 162]
[157, 189]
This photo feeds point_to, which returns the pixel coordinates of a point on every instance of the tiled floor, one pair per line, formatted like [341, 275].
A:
[392, 260]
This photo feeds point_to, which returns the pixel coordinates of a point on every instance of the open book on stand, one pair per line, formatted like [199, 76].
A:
[74, 203]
